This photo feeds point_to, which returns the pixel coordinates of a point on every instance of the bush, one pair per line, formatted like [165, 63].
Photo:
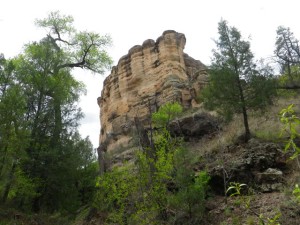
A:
[160, 185]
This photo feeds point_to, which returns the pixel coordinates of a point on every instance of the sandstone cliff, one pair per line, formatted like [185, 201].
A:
[150, 75]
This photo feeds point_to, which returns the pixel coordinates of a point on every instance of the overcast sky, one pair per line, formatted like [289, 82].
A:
[130, 22]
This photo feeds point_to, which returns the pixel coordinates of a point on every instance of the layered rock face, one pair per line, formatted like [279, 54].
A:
[150, 75]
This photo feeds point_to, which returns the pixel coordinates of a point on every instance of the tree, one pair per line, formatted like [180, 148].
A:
[13, 133]
[235, 83]
[71, 49]
[52, 93]
[39, 118]
[287, 52]
[166, 113]
[155, 185]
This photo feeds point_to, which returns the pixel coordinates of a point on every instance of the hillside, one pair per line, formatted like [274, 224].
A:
[144, 81]
[260, 164]
[163, 157]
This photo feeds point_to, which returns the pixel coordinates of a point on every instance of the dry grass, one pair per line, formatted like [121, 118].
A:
[268, 126]
[264, 125]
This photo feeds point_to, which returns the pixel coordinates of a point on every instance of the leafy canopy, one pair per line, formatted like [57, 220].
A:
[166, 113]
[44, 163]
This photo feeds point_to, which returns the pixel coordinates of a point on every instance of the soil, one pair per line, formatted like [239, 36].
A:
[265, 197]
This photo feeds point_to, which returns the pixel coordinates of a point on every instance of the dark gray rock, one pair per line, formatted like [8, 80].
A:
[194, 126]
[257, 164]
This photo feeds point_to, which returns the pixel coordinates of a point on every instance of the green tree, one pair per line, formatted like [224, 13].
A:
[70, 49]
[189, 198]
[52, 93]
[13, 132]
[166, 113]
[117, 194]
[235, 83]
[40, 116]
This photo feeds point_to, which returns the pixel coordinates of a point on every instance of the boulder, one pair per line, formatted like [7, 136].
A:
[194, 126]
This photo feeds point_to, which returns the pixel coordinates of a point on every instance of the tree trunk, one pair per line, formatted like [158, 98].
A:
[56, 135]
[57, 122]
[101, 160]
[146, 144]
[244, 110]
[37, 115]
[6, 137]
[3, 159]
[241, 93]
[246, 124]
[9, 182]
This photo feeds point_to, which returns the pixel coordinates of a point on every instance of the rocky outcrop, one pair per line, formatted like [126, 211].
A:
[260, 165]
[194, 126]
[150, 75]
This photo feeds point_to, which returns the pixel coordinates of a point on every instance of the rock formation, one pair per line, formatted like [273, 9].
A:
[256, 162]
[150, 75]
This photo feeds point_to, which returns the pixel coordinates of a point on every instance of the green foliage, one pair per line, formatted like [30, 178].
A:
[82, 49]
[221, 85]
[191, 191]
[236, 84]
[296, 193]
[23, 190]
[269, 221]
[189, 200]
[166, 113]
[288, 57]
[291, 122]
[155, 185]
[114, 190]
[274, 220]
[44, 163]
[235, 188]
[284, 80]
[154, 175]
[57, 23]
[13, 133]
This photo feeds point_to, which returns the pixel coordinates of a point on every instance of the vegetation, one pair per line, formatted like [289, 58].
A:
[47, 167]
[235, 189]
[159, 188]
[288, 54]
[44, 163]
[236, 85]
[291, 122]
[290, 133]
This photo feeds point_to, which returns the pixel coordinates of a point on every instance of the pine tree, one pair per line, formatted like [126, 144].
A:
[236, 84]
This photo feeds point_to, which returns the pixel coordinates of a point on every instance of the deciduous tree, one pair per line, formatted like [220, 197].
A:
[40, 115]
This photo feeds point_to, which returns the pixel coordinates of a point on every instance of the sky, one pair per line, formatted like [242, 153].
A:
[130, 22]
